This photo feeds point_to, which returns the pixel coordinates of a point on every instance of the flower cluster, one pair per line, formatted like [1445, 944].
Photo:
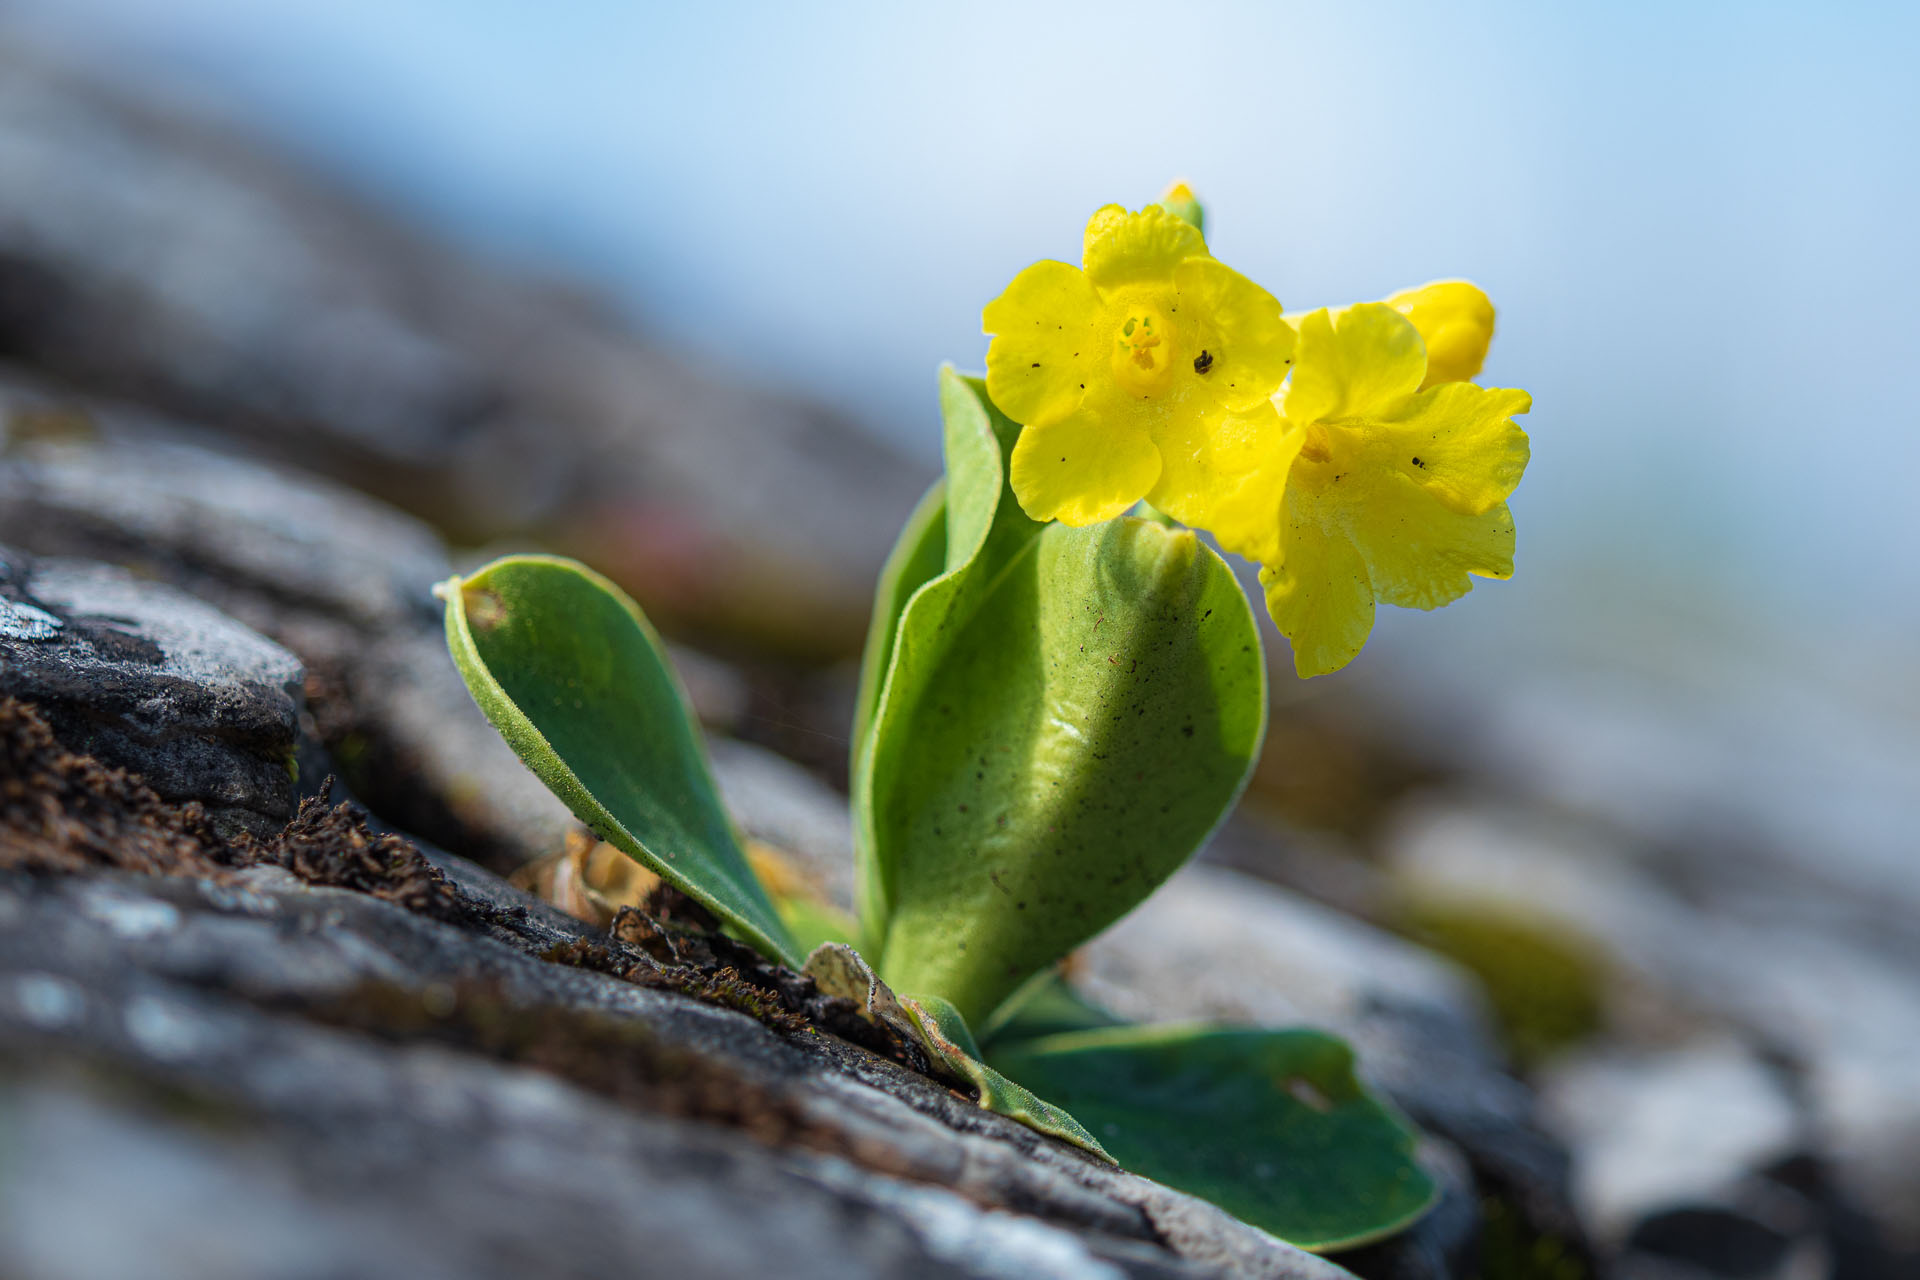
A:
[1347, 451]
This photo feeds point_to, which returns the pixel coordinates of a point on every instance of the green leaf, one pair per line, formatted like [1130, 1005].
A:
[942, 1034]
[1272, 1126]
[568, 670]
[813, 921]
[939, 571]
[1045, 1006]
[919, 554]
[1067, 715]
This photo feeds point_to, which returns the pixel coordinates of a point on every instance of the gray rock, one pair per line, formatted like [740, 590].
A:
[258, 537]
[434, 766]
[1707, 734]
[344, 581]
[1683, 1135]
[153, 680]
[145, 252]
[269, 1049]
[1217, 944]
[775, 800]
[1214, 943]
[1843, 1009]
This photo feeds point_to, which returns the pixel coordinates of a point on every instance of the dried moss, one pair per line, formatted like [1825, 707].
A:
[63, 813]
[332, 846]
[723, 986]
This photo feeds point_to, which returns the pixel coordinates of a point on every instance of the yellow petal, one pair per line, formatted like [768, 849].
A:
[1419, 551]
[1414, 497]
[1227, 473]
[1320, 597]
[1125, 248]
[1455, 319]
[1458, 442]
[1042, 327]
[1105, 219]
[1237, 330]
[1361, 362]
[1082, 469]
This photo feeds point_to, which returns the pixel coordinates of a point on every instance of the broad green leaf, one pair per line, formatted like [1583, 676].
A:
[1272, 1126]
[941, 569]
[1045, 757]
[568, 670]
[918, 555]
[984, 521]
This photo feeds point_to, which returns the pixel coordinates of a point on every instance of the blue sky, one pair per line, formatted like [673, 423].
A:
[1698, 221]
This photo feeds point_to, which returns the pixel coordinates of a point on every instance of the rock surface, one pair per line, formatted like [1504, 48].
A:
[394, 1095]
[341, 579]
[155, 681]
[1686, 1137]
[1839, 1010]
[1416, 1019]
[345, 582]
[777, 801]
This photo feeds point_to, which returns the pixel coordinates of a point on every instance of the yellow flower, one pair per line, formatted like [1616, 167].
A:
[1455, 320]
[1152, 349]
[1179, 200]
[1391, 493]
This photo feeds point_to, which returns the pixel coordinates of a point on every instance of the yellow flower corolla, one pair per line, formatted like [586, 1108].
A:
[1390, 493]
[1148, 351]
[1455, 320]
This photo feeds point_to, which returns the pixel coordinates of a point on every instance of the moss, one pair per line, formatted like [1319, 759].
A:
[1510, 1249]
[1545, 985]
[64, 813]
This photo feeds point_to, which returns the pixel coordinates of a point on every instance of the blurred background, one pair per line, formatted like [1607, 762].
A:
[665, 287]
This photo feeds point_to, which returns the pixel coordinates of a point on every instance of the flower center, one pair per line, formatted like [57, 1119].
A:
[1318, 446]
[1143, 352]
